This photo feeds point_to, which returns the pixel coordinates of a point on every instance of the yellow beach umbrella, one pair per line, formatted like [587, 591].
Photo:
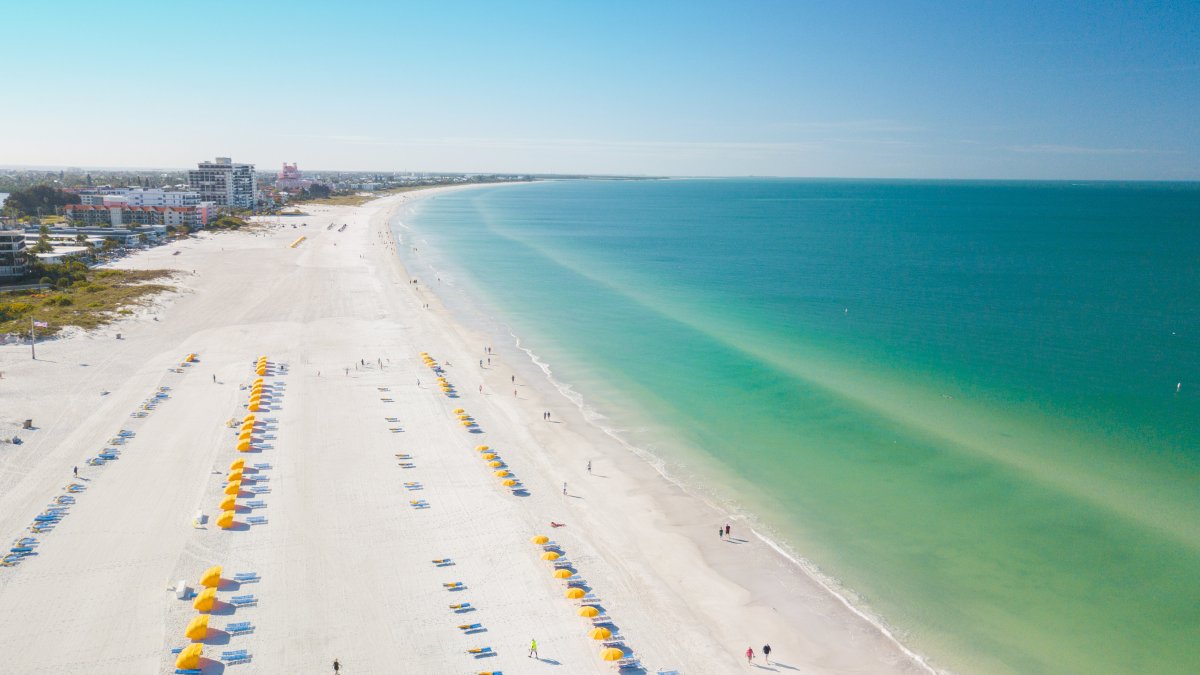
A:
[612, 654]
[254, 407]
[488, 455]
[198, 628]
[248, 418]
[550, 555]
[588, 611]
[228, 503]
[261, 371]
[234, 476]
[540, 539]
[575, 593]
[225, 520]
[211, 577]
[467, 423]
[502, 474]
[237, 465]
[510, 482]
[204, 600]
[496, 464]
[243, 446]
[566, 574]
[482, 448]
[189, 658]
[600, 633]
[233, 488]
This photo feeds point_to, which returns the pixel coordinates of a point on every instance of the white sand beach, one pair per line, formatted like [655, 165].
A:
[343, 558]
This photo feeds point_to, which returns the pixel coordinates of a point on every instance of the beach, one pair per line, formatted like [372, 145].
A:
[342, 560]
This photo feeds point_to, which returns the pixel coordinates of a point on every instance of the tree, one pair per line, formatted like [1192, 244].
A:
[48, 198]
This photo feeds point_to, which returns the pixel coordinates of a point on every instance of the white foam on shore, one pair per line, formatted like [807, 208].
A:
[693, 487]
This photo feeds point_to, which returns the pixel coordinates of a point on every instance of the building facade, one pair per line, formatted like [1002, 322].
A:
[224, 183]
[119, 215]
[290, 179]
[12, 254]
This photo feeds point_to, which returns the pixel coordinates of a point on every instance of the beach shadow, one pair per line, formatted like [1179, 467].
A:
[598, 475]
[762, 667]
[784, 665]
[550, 662]
[211, 666]
[464, 610]
[574, 496]
[229, 585]
[734, 540]
[216, 637]
[222, 609]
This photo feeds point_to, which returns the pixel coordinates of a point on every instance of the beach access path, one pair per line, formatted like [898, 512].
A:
[343, 559]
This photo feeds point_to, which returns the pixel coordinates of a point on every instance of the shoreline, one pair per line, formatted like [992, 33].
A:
[715, 504]
[94, 597]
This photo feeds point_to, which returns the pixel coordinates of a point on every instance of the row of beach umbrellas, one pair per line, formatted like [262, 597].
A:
[598, 633]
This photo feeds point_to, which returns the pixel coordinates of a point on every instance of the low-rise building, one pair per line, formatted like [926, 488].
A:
[117, 214]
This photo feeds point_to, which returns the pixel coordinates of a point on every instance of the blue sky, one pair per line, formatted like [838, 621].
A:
[874, 89]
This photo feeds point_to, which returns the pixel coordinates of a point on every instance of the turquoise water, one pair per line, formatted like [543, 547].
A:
[957, 399]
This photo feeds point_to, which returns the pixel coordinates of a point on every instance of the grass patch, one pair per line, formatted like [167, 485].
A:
[89, 303]
[360, 199]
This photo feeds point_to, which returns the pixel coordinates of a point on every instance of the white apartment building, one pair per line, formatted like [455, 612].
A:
[139, 197]
[224, 183]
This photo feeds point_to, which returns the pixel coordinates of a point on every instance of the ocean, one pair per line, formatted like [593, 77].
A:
[972, 407]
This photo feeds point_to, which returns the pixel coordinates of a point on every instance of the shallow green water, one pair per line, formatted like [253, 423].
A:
[958, 399]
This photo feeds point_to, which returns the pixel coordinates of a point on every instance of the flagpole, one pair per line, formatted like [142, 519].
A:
[32, 340]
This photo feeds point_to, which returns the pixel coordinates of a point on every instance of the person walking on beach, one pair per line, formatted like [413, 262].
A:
[767, 653]
[76, 471]
[589, 466]
[720, 532]
[337, 667]
[564, 487]
[726, 529]
[749, 654]
[533, 650]
[214, 378]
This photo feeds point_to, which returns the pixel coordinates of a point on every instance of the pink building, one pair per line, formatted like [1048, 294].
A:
[290, 179]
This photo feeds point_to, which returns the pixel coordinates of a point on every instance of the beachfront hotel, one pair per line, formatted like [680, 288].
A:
[116, 213]
[138, 196]
[224, 183]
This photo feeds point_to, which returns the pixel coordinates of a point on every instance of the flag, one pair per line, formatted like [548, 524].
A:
[40, 324]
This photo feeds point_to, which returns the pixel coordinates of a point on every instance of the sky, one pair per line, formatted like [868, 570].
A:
[1038, 90]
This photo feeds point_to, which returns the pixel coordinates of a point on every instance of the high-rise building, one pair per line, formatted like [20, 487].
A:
[12, 253]
[224, 183]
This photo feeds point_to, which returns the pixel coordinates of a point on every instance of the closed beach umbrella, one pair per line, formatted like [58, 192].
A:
[502, 474]
[567, 574]
[540, 539]
[510, 482]
[550, 555]
[588, 611]
[211, 577]
[575, 593]
[189, 658]
[600, 633]
[233, 488]
[228, 503]
[237, 465]
[198, 628]
[225, 520]
[243, 446]
[612, 654]
[204, 601]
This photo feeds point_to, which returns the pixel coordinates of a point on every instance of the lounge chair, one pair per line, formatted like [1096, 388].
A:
[243, 600]
[188, 671]
[236, 656]
[629, 663]
[443, 562]
[239, 628]
[481, 651]
[257, 504]
[259, 489]
[461, 607]
[453, 585]
[407, 465]
[470, 626]
[246, 577]
[263, 465]
[257, 520]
